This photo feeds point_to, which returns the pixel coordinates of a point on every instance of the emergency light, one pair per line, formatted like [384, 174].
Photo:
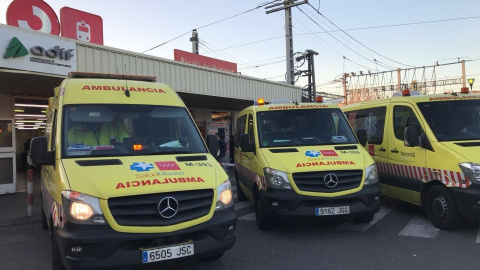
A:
[406, 92]
[318, 99]
[464, 90]
[260, 102]
[137, 147]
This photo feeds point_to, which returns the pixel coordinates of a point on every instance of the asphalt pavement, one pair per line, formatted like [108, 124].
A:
[14, 206]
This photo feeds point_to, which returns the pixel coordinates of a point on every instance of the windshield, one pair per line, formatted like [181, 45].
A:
[453, 120]
[122, 130]
[303, 128]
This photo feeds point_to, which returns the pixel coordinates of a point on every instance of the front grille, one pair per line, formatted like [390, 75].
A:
[191, 158]
[99, 162]
[142, 210]
[313, 181]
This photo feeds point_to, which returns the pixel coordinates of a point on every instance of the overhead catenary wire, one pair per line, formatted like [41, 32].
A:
[337, 38]
[212, 23]
[347, 39]
[209, 46]
[357, 40]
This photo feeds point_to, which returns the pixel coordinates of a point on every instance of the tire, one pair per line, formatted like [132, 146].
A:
[263, 221]
[215, 257]
[44, 219]
[442, 209]
[364, 219]
[56, 261]
[240, 195]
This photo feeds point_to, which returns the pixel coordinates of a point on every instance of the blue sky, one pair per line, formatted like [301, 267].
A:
[140, 25]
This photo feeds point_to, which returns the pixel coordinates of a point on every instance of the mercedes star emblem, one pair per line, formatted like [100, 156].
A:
[168, 207]
[330, 180]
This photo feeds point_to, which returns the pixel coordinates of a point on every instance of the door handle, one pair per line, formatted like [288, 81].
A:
[394, 151]
[382, 149]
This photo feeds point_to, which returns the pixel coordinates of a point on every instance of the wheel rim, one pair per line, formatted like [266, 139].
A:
[440, 206]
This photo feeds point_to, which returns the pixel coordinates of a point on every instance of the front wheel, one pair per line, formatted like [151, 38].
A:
[263, 221]
[240, 195]
[442, 209]
[44, 219]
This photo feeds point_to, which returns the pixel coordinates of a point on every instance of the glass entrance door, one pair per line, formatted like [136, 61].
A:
[7, 157]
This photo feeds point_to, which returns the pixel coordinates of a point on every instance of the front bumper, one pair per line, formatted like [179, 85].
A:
[104, 247]
[468, 201]
[285, 204]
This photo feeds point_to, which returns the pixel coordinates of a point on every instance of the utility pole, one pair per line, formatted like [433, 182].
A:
[287, 5]
[194, 40]
[312, 90]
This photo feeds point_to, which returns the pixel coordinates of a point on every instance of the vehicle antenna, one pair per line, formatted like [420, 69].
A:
[127, 93]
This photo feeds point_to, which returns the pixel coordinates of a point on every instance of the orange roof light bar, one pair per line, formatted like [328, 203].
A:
[319, 99]
[464, 90]
[406, 92]
[260, 102]
[137, 147]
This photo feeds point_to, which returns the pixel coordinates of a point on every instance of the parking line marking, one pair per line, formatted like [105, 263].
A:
[358, 227]
[420, 226]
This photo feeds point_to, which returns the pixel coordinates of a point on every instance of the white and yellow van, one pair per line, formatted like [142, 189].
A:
[127, 180]
[303, 161]
[427, 151]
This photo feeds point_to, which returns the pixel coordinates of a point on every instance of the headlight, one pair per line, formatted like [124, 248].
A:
[471, 171]
[82, 209]
[371, 175]
[276, 179]
[224, 196]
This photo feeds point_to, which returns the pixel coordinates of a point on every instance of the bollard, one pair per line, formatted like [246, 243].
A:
[30, 191]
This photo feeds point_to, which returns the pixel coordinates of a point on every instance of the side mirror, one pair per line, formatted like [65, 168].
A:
[39, 154]
[212, 144]
[362, 136]
[411, 136]
[245, 144]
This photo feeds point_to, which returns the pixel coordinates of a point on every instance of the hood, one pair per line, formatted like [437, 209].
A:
[467, 150]
[114, 177]
[317, 158]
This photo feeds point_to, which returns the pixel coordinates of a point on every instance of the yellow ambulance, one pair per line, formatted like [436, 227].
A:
[302, 160]
[127, 180]
[427, 151]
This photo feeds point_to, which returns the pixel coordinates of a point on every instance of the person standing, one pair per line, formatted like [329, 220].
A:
[222, 145]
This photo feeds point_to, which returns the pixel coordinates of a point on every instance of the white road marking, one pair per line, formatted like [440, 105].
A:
[242, 205]
[358, 227]
[420, 226]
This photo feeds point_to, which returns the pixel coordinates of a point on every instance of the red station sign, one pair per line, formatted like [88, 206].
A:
[34, 15]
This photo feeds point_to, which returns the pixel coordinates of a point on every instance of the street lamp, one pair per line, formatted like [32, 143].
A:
[470, 81]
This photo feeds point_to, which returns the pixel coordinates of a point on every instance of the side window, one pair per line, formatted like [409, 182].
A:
[372, 120]
[251, 125]
[403, 116]
[240, 129]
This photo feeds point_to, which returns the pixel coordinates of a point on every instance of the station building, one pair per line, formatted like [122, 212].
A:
[33, 63]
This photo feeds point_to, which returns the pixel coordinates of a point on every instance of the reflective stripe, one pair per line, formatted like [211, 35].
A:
[449, 178]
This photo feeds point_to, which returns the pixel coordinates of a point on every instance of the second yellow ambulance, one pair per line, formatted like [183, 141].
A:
[427, 151]
[303, 161]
